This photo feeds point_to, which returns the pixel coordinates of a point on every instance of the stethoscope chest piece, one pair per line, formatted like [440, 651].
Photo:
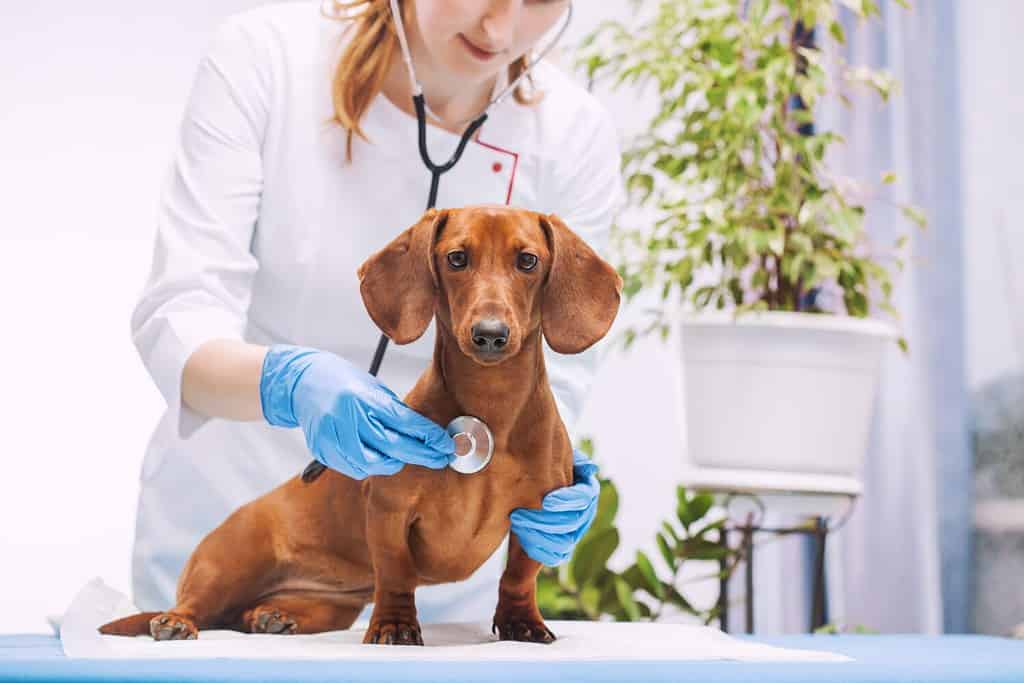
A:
[474, 444]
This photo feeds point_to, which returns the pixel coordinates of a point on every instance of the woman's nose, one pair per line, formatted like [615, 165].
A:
[500, 21]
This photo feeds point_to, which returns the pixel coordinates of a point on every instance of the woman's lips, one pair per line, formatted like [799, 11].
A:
[478, 52]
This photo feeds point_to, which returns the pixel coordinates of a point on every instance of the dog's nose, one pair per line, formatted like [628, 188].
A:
[490, 335]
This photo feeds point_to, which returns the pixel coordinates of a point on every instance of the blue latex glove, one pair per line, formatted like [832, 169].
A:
[549, 535]
[353, 423]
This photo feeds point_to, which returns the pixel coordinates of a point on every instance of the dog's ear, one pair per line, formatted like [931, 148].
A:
[581, 293]
[399, 283]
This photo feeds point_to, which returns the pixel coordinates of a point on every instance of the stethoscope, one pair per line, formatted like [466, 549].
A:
[474, 443]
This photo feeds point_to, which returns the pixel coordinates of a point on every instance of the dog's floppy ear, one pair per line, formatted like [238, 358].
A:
[581, 293]
[399, 283]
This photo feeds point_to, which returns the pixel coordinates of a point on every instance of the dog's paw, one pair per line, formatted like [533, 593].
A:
[266, 619]
[527, 630]
[393, 633]
[169, 626]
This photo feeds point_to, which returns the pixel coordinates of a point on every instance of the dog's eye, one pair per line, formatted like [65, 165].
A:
[457, 259]
[527, 261]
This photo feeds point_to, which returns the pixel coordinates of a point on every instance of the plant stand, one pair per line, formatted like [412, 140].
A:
[817, 528]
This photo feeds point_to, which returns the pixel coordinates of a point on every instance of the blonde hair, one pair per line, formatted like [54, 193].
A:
[364, 63]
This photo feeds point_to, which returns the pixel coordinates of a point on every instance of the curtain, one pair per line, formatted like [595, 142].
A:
[904, 557]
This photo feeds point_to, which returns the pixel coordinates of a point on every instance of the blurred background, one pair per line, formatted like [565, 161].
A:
[90, 106]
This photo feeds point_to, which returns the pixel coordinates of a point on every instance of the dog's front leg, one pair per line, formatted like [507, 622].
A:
[517, 616]
[394, 612]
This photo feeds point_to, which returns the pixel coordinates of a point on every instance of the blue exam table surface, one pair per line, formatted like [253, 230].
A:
[879, 658]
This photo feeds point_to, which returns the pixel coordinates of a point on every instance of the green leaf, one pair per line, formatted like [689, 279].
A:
[716, 525]
[801, 242]
[666, 551]
[856, 303]
[759, 279]
[625, 595]
[702, 297]
[836, 29]
[825, 266]
[651, 583]
[590, 597]
[682, 495]
[564, 573]
[633, 576]
[696, 508]
[736, 290]
[916, 215]
[674, 597]
[643, 182]
[848, 222]
[777, 241]
[592, 553]
[629, 337]
[701, 549]
[609, 603]
[607, 507]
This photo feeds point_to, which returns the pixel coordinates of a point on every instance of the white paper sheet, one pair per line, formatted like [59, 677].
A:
[97, 603]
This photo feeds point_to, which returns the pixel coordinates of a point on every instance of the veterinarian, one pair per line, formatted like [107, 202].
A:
[297, 159]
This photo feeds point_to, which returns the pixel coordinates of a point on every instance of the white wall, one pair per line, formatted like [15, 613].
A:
[92, 96]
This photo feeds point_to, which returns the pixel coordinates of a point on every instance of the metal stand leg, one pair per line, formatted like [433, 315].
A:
[723, 583]
[748, 556]
[818, 616]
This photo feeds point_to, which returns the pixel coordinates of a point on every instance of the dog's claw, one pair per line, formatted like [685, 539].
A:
[524, 631]
[172, 627]
[393, 634]
[270, 620]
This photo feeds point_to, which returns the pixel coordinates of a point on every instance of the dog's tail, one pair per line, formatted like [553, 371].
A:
[135, 625]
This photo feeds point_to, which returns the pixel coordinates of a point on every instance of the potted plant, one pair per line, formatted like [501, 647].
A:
[758, 250]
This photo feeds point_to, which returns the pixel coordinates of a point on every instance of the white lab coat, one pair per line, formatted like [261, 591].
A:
[261, 227]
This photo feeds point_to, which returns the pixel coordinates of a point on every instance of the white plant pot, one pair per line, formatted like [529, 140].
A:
[779, 401]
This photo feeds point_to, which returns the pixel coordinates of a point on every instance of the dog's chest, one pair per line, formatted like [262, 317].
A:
[461, 522]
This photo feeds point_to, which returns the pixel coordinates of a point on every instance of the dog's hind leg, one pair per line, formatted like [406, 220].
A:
[228, 571]
[288, 614]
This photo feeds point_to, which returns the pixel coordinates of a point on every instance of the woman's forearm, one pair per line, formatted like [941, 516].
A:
[222, 379]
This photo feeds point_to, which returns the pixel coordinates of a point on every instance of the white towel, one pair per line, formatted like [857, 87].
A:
[97, 603]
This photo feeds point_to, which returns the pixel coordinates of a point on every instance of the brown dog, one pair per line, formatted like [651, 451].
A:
[306, 557]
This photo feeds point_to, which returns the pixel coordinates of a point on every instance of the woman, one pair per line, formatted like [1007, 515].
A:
[297, 160]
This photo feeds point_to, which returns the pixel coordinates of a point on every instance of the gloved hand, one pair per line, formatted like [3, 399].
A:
[549, 535]
[353, 423]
